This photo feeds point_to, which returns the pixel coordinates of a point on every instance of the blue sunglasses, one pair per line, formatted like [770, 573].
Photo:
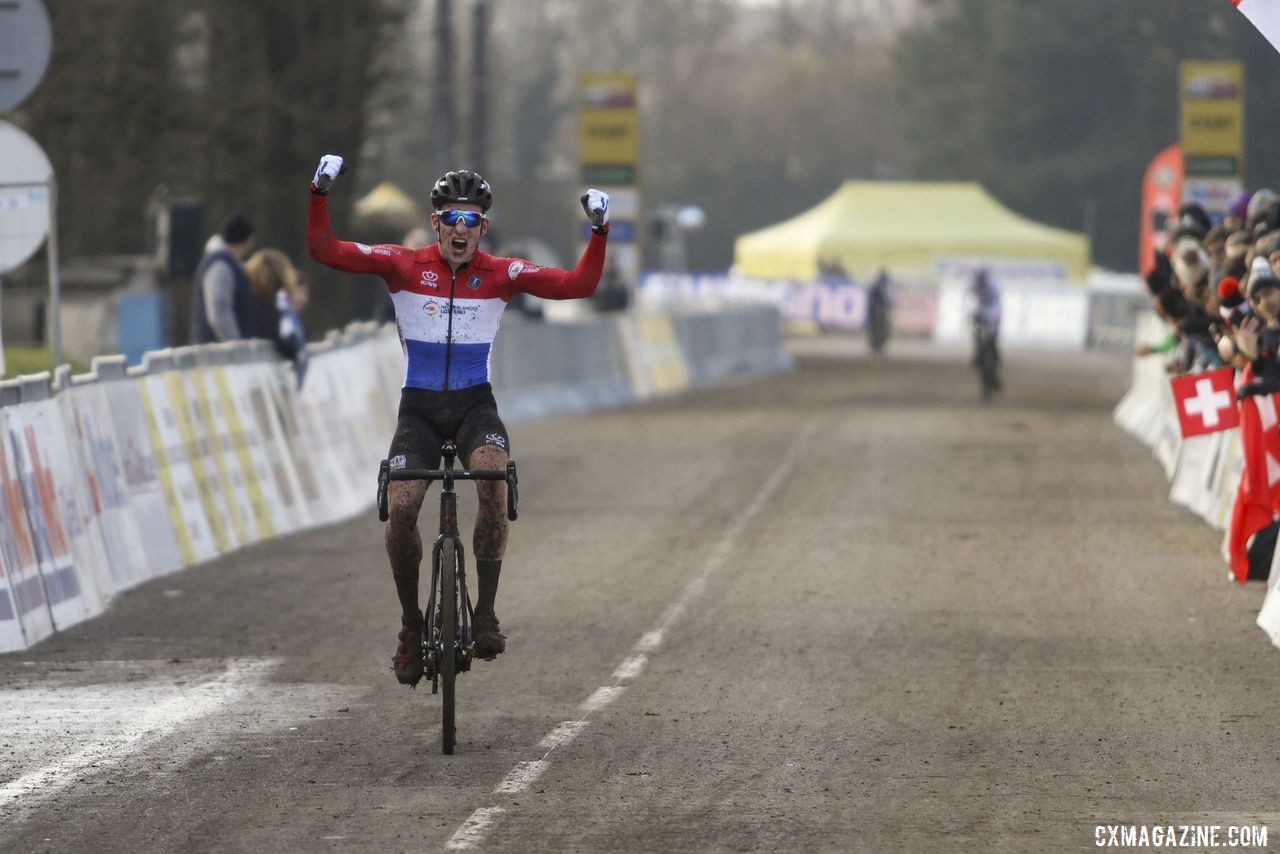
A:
[470, 219]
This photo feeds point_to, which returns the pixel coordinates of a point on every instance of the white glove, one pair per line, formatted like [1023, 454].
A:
[331, 166]
[596, 204]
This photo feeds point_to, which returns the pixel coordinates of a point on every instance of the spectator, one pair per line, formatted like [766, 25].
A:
[273, 279]
[1234, 216]
[1258, 338]
[222, 299]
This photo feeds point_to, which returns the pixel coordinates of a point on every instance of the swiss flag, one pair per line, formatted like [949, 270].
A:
[1258, 496]
[1265, 15]
[1206, 402]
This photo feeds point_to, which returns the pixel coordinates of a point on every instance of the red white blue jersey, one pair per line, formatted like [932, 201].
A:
[448, 320]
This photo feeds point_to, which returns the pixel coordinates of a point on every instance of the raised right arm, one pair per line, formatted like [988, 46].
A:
[342, 254]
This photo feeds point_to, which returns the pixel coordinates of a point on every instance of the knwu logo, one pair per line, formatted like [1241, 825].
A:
[430, 278]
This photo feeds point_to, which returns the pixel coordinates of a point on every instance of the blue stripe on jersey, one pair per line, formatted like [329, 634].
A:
[424, 365]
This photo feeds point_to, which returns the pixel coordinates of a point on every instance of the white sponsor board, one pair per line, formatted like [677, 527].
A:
[182, 489]
[86, 414]
[24, 613]
[1050, 315]
[156, 516]
[31, 437]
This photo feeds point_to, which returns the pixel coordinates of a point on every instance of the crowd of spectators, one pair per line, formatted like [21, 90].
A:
[239, 293]
[1218, 288]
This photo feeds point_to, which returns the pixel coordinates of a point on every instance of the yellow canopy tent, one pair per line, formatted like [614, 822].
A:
[903, 226]
[389, 205]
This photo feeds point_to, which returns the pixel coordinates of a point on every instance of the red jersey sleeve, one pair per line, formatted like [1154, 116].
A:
[554, 283]
[344, 255]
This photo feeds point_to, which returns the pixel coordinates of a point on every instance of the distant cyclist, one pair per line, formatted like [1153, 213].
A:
[449, 297]
[986, 315]
[879, 312]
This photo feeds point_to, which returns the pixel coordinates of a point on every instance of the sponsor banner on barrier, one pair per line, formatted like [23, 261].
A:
[242, 442]
[31, 431]
[1036, 315]
[335, 445]
[655, 362]
[256, 403]
[28, 610]
[146, 476]
[194, 428]
[177, 477]
[299, 444]
[823, 305]
[232, 485]
[86, 413]
[73, 488]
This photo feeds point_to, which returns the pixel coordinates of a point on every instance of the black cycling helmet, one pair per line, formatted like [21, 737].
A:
[461, 185]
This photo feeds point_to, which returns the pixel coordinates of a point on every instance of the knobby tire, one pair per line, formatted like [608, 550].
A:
[448, 661]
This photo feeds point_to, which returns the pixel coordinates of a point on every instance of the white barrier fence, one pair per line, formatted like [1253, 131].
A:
[1037, 313]
[1204, 471]
[122, 475]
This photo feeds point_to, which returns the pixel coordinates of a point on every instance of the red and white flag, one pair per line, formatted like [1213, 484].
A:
[1265, 15]
[1206, 402]
[1258, 495]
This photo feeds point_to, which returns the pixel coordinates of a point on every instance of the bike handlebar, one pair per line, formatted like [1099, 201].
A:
[439, 474]
[386, 475]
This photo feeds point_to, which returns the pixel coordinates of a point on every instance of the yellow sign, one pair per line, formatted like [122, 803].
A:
[609, 144]
[1211, 96]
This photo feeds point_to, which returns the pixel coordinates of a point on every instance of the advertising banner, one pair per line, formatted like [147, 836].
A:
[231, 483]
[177, 475]
[246, 445]
[194, 428]
[31, 435]
[609, 145]
[1161, 196]
[326, 441]
[1211, 101]
[27, 606]
[156, 513]
[86, 414]
[256, 404]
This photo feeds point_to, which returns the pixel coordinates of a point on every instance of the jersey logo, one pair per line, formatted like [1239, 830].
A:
[474, 283]
[431, 308]
[430, 278]
[515, 268]
[496, 439]
[365, 248]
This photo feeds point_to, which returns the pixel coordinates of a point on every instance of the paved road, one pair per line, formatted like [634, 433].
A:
[846, 609]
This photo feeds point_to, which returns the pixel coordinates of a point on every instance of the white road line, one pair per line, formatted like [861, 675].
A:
[631, 668]
[521, 777]
[561, 735]
[473, 830]
[152, 722]
[600, 698]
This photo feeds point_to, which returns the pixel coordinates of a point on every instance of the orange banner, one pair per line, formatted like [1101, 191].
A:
[1161, 195]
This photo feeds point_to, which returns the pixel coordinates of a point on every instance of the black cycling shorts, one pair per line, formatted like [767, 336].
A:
[469, 416]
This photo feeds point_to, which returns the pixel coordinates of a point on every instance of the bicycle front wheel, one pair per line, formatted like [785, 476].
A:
[448, 659]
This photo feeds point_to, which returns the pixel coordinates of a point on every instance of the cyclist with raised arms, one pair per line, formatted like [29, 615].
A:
[449, 298]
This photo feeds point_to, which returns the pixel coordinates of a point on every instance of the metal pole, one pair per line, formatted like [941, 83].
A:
[480, 87]
[54, 319]
[446, 105]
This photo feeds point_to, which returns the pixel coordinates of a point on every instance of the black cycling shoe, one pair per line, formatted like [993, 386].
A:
[489, 641]
[407, 662]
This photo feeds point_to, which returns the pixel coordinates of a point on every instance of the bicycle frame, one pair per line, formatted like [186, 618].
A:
[447, 475]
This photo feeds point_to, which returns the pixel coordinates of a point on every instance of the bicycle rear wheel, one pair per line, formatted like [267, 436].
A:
[447, 662]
